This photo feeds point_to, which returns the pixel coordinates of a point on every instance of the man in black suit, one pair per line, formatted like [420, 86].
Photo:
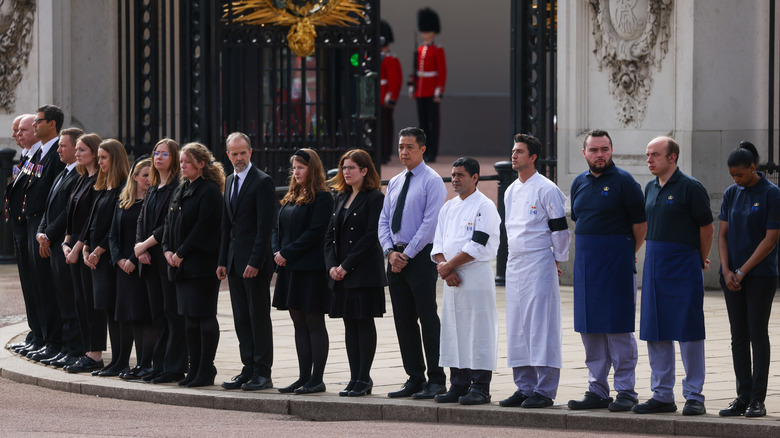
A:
[51, 233]
[14, 196]
[246, 260]
[46, 165]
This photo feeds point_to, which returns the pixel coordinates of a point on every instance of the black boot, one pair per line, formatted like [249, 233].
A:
[209, 340]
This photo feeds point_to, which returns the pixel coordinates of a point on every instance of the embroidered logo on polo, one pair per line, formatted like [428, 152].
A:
[670, 200]
[755, 207]
[605, 191]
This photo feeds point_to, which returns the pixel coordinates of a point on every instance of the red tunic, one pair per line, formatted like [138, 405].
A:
[390, 78]
[431, 71]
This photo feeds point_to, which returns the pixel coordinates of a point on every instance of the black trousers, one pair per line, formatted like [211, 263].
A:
[92, 322]
[463, 379]
[388, 134]
[72, 342]
[170, 349]
[749, 311]
[22, 250]
[413, 294]
[45, 296]
[251, 302]
[428, 114]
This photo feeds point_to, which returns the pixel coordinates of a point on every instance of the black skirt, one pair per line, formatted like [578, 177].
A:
[305, 291]
[197, 297]
[132, 300]
[104, 284]
[357, 303]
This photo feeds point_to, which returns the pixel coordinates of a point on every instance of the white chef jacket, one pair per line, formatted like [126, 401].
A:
[469, 323]
[533, 303]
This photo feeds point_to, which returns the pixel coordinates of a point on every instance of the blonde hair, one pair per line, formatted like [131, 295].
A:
[127, 197]
[120, 167]
[212, 170]
[93, 143]
[173, 152]
[315, 178]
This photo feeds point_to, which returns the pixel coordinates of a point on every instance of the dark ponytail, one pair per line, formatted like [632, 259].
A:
[745, 155]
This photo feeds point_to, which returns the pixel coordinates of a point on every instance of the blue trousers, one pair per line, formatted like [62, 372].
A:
[605, 351]
[543, 380]
[661, 355]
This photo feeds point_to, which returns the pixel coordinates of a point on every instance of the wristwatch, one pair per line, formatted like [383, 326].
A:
[387, 252]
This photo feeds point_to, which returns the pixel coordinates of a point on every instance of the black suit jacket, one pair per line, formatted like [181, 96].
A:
[191, 229]
[301, 239]
[353, 243]
[161, 209]
[14, 196]
[56, 213]
[246, 232]
[38, 187]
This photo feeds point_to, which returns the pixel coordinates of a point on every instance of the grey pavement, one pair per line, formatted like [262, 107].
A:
[388, 375]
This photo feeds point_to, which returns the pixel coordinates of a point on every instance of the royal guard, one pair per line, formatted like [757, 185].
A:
[390, 86]
[427, 82]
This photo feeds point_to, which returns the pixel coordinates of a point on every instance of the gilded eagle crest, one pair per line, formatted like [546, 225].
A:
[300, 15]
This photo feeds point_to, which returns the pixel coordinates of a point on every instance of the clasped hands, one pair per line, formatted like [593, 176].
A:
[448, 274]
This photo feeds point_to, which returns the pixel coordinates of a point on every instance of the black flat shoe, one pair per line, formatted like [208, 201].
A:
[362, 388]
[475, 397]
[130, 374]
[755, 409]
[514, 400]
[408, 390]
[654, 406]
[168, 378]
[153, 375]
[537, 401]
[289, 389]
[590, 401]
[112, 372]
[311, 389]
[346, 390]
[53, 359]
[85, 364]
[448, 397]
[65, 361]
[257, 383]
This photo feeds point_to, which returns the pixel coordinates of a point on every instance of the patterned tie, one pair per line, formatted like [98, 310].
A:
[234, 195]
[399, 207]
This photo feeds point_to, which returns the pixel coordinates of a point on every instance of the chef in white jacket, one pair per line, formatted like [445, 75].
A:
[538, 238]
[465, 244]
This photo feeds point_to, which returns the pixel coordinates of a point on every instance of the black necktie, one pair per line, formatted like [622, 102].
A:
[399, 207]
[234, 196]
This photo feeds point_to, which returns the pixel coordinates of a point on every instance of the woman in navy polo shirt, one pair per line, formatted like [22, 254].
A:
[747, 242]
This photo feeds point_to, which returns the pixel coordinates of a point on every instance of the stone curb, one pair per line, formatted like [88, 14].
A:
[331, 407]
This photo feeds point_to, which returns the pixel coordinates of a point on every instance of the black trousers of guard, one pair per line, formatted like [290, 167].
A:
[428, 114]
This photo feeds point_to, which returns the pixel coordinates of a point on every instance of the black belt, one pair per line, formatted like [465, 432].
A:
[400, 247]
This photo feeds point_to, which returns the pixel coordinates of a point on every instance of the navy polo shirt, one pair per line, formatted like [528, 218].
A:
[750, 211]
[676, 211]
[610, 203]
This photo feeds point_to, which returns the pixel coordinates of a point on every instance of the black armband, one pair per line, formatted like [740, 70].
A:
[480, 237]
[558, 224]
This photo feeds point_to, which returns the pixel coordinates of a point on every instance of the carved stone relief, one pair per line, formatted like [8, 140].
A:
[16, 20]
[631, 37]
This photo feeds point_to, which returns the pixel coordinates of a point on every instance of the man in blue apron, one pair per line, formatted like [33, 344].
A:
[679, 239]
[608, 208]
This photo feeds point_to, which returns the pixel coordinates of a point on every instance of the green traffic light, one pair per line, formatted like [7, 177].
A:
[354, 60]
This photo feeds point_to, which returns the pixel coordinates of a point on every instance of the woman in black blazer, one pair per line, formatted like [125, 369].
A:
[92, 323]
[169, 362]
[132, 305]
[302, 281]
[354, 260]
[191, 247]
[114, 167]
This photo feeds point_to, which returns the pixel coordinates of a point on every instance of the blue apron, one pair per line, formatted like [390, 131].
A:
[672, 293]
[604, 295]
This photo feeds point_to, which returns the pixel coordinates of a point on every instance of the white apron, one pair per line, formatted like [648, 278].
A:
[533, 310]
[469, 320]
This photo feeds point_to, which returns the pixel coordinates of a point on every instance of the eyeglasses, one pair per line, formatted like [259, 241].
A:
[37, 121]
[349, 168]
[161, 154]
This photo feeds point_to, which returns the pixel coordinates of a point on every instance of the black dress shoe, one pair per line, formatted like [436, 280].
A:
[84, 364]
[320, 387]
[537, 401]
[289, 389]
[236, 381]
[514, 400]
[362, 388]
[348, 388]
[50, 360]
[590, 401]
[65, 361]
[30, 348]
[429, 391]
[46, 353]
[138, 376]
[168, 378]
[407, 390]
[15, 345]
[112, 372]
[736, 409]
[622, 403]
[694, 407]
[450, 396]
[475, 397]
[755, 409]
[153, 375]
[654, 406]
[257, 383]
[38, 352]
[130, 374]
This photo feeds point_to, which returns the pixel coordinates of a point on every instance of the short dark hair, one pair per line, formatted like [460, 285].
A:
[470, 165]
[533, 143]
[745, 155]
[73, 133]
[415, 132]
[672, 148]
[596, 133]
[53, 112]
